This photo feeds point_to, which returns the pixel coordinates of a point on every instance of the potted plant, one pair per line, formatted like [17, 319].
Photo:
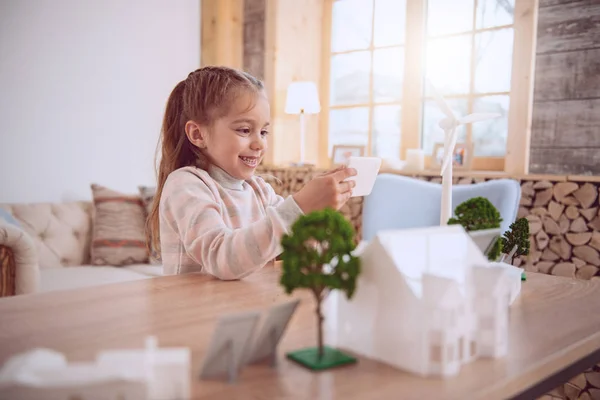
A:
[317, 255]
[479, 214]
[480, 219]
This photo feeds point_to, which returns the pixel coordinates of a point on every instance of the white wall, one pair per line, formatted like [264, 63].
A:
[83, 85]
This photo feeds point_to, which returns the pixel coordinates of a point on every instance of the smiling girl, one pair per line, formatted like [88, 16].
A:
[211, 213]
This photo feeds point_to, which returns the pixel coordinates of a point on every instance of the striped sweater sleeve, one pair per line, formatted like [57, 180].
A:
[193, 211]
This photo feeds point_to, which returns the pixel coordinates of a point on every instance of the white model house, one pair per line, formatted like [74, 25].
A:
[427, 301]
[148, 373]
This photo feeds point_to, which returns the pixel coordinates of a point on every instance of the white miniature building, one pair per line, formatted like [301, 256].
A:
[138, 374]
[427, 301]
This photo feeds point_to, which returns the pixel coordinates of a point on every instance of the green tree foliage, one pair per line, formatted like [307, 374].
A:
[317, 256]
[476, 214]
[496, 250]
[517, 236]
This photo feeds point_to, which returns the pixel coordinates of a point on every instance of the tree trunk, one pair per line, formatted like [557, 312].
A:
[320, 327]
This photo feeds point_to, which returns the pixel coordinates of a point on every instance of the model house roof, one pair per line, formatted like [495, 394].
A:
[446, 252]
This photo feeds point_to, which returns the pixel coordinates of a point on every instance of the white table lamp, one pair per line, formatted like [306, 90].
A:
[302, 98]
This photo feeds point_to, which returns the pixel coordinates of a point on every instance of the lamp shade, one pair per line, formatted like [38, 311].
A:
[302, 95]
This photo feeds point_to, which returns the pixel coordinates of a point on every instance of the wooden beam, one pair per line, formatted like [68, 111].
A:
[413, 77]
[222, 39]
[270, 70]
[324, 156]
[521, 88]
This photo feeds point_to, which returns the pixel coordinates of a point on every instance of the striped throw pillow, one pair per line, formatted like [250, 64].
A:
[118, 228]
[147, 193]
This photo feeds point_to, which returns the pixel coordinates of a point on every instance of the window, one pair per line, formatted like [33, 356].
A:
[366, 74]
[468, 58]
[380, 55]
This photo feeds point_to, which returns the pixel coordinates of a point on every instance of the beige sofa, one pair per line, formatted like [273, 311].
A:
[50, 250]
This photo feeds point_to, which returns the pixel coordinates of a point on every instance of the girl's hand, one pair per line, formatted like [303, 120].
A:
[327, 190]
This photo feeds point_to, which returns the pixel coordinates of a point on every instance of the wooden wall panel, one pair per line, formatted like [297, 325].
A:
[565, 136]
[297, 56]
[568, 27]
[567, 124]
[254, 37]
[579, 161]
[568, 75]
[222, 33]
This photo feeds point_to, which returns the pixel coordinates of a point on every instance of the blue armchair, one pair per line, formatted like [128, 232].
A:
[400, 202]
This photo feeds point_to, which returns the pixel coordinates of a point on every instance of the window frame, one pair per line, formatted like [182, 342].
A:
[516, 158]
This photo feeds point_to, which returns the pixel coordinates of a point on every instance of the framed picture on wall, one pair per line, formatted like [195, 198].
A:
[341, 153]
[461, 159]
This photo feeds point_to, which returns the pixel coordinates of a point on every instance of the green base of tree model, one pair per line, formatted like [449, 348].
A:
[317, 255]
[330, 358]
[479, 213]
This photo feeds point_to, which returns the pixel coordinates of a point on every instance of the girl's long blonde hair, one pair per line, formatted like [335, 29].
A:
[203, 97]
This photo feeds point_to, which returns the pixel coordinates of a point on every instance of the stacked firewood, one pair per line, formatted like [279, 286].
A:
[564, 218]
[564, 223]
[585, 386]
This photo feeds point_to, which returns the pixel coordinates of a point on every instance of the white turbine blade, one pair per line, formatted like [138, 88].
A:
[477, 117]
[441, 103]
[450, 150]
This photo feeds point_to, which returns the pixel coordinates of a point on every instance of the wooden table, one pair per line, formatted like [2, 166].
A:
[553, 325]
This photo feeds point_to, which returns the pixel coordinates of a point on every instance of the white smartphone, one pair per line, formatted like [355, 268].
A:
[367, 169]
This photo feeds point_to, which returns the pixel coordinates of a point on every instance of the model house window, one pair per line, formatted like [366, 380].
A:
[380, 56]
[450, 353]
[435, 353]
[435, 345]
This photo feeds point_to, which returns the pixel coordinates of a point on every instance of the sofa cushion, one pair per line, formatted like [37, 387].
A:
[86, 276]
[8, 217]
[147, 193]
[60, 231]
[118, 233]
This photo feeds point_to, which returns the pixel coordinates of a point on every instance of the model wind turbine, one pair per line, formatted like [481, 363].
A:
[449, 125]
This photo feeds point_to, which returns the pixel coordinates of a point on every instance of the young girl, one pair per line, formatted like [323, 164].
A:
[210, 213]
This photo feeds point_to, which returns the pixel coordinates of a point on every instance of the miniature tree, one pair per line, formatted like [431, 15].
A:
[317, 255]
[516, 240]
[479, 213]
[476, 214]
[495, 250]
